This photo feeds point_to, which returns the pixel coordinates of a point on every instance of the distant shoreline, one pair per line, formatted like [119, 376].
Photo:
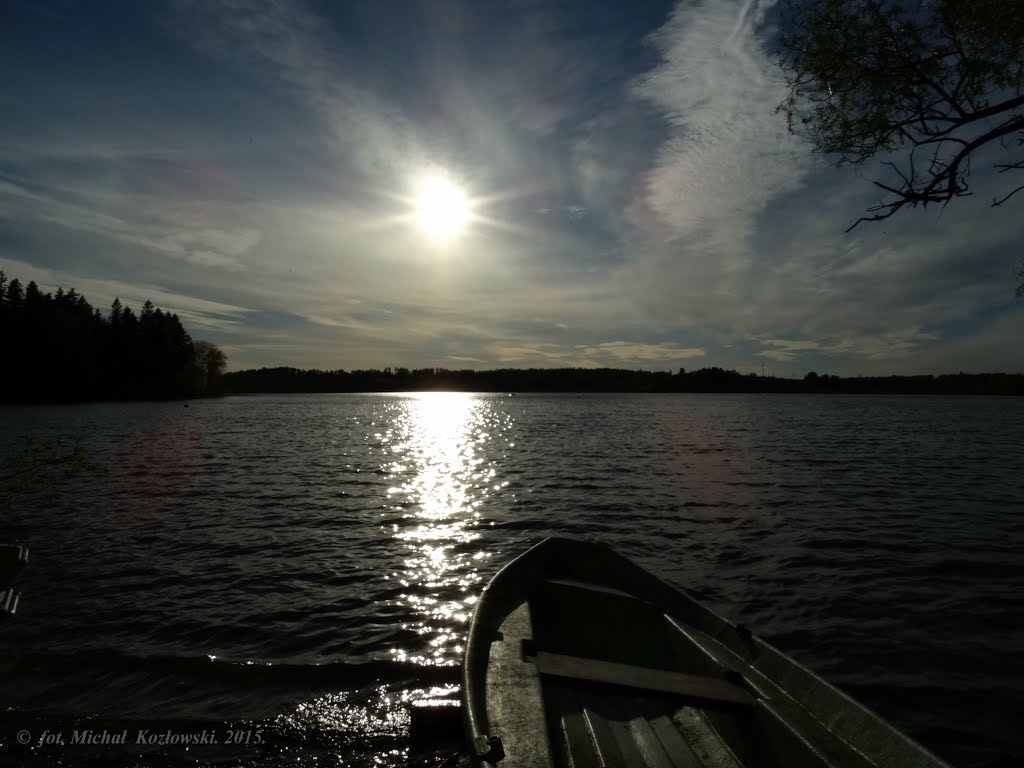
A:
[606, 380]
[285, 381]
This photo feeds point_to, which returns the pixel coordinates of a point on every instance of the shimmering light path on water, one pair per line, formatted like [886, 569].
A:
[306, 564]
[439, 441]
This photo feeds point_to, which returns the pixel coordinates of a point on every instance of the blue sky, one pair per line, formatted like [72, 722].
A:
[636, 202]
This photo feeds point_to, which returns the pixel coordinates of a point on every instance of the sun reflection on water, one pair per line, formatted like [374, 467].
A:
[438, 454]
[355, 724]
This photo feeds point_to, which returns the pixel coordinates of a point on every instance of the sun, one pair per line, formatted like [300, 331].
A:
[441, 209]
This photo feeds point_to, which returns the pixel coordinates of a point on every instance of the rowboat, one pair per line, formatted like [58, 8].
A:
[576, 656]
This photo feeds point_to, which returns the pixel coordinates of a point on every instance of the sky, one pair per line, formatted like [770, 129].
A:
[634, 200]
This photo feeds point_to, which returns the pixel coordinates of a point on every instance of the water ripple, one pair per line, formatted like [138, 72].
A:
[331, 548]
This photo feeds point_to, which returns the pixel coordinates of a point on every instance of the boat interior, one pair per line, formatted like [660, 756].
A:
[580, 673]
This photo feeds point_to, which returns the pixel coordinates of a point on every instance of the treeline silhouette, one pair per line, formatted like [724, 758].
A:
[58, 348]
[284, 380]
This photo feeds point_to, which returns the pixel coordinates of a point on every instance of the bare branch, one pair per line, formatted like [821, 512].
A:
[1004, 167]
[892, 210]
[997, 201]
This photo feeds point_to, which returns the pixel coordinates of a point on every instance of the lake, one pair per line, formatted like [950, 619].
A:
[295, 568]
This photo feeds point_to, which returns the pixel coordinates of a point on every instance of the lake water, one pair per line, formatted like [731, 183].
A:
[294, 568]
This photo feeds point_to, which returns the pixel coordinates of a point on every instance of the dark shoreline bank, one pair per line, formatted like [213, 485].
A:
[535, 380]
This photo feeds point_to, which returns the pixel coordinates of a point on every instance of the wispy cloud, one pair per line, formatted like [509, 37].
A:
[284, 41]
[724, 158]
[786, 349]
[628, 351]
[888, 345]
[726, 155]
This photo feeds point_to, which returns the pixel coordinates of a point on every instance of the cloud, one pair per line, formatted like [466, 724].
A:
[283, 41]
[611, 354]
[992, 344]
[723, 159]
[888, 345]
[726, 155]
[214, 248]
[784, 350]
[157, 225]
[551, 355]
[627, 351]
[549, 87]
[331, 322]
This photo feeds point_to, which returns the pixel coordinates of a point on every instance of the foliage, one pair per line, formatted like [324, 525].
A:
[936, 80]
[58, 348]
[208, 363]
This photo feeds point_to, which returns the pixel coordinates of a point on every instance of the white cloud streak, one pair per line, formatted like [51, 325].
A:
[628, 351]
[727, 155]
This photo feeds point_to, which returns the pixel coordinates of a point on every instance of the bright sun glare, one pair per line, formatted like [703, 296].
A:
[441, 208]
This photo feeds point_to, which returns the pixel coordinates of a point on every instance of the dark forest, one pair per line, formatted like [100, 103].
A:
[58, 348]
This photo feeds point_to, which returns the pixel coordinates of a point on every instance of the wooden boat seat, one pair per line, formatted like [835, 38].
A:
[710, 689]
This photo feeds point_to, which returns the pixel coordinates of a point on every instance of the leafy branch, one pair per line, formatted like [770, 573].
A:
[938, 80]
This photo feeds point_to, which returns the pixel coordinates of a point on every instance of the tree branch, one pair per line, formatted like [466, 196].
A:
[883, 76]
[946, 182]
[997, 201]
